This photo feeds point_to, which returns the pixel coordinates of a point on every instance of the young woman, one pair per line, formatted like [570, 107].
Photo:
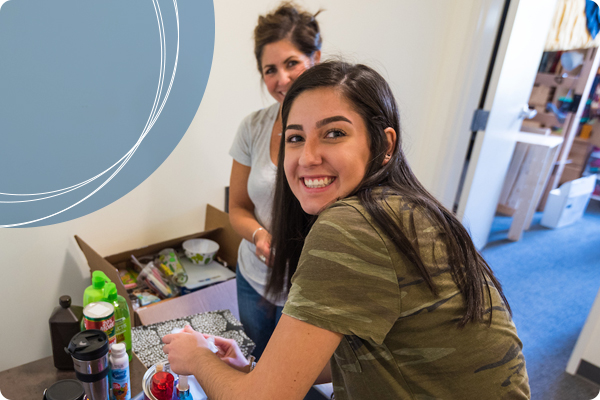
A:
[389, 291]
[287, 42]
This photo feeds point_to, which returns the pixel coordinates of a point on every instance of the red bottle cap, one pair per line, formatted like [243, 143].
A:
[162, 385]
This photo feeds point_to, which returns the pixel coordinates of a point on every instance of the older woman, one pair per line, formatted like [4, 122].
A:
[287, 42]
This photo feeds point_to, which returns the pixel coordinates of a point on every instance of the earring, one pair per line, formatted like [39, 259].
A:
[387, 156]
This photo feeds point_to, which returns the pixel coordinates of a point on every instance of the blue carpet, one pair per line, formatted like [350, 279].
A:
[550, 278]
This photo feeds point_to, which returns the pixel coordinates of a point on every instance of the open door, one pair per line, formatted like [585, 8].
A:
[519, 50]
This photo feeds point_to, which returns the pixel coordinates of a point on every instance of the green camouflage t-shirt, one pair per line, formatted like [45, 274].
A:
[400, 341]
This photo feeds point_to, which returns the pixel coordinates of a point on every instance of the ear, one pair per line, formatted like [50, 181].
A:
[390, 133]
[316, 57]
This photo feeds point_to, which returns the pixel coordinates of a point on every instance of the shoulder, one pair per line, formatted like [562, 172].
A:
[345, 226]
[351, 210]
[262, 117]
[415, 220]
[347, 214]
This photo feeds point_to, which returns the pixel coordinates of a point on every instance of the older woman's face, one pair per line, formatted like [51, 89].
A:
[282, 63]
[326, 149]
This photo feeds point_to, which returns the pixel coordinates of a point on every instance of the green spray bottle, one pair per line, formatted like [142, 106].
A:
[94, 292]
[122, 319]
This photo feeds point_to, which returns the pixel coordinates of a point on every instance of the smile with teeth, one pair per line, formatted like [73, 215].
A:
[318, 182]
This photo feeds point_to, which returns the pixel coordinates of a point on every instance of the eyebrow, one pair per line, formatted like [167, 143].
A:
[321, 123]
[329, 120]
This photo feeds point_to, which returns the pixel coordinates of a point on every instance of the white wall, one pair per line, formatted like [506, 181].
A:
[587, 347]
[419, 46]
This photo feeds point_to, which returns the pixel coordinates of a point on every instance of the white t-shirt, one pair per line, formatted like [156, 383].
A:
[252, 147]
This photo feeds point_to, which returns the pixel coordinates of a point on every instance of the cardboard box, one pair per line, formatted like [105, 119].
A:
[580, 151]
[216, 227]
[570, 173]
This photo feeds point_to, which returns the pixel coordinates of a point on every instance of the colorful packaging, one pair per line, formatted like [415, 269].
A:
[101, 315]
[168, 257]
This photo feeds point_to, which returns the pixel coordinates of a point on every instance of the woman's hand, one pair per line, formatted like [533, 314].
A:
[230, 353]
[262, 240]
[185, 350]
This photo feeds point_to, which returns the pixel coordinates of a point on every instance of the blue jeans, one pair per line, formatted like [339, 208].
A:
[258, 316]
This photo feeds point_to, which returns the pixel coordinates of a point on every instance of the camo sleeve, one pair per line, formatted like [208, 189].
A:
[345, 281]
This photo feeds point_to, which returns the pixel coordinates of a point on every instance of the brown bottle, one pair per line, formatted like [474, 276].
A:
[64, 324]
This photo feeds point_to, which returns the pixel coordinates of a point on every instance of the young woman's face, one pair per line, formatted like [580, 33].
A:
[326, 149]
[282, 63]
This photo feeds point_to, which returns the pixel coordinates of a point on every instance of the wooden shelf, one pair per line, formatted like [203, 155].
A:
[546, 79]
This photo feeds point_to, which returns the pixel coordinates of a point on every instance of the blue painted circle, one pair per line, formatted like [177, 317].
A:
[94, 96]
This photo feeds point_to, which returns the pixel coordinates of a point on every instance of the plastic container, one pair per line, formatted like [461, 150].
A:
[152, 277]
[94, 292]
[101, 315]
[64, 324]
[122, 317]
[169, 258]
[162, 384]
[120, 380]
[68, 389]
[182, 391]
[567, 204]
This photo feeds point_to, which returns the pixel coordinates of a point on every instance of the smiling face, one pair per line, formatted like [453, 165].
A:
[326, 149]
[281, 64]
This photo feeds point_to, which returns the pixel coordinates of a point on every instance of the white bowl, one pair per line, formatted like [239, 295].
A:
[200, 251]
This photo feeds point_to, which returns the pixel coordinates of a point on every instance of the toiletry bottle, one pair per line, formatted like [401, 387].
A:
[182, 392]
[94, 292]
[64, 324]
[120, 380]
[162, 384]
[122, 318]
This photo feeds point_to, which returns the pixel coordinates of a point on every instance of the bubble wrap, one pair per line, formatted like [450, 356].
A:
[146, 340]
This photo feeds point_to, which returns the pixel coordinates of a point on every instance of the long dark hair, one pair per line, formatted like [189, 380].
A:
[288, 21]
[372, 98]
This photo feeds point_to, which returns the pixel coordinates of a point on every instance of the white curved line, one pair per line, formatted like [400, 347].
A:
[145, 132]
[152, 117]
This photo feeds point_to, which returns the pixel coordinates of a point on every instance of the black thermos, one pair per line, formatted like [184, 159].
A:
[64, 324]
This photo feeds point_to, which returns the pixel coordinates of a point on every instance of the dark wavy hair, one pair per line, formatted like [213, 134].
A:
[290, 22]
[372, 98]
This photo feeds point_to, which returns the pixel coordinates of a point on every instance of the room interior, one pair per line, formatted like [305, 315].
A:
[431, 55]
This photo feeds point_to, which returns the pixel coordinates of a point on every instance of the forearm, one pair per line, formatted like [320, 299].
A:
[220, 381]
[325, 375]
[243, 221]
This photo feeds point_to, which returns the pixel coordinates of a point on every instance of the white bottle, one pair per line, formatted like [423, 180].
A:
[120, 381]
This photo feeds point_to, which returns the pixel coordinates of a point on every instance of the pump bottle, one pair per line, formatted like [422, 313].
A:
[122, 317]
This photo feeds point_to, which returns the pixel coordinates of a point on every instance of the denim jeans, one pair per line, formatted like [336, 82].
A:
[258, 316]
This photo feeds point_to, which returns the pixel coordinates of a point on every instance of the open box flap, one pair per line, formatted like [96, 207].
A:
[97, 262]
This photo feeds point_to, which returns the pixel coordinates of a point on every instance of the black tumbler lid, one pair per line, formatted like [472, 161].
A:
[69, 389]
[89, 345]
[65, 301]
